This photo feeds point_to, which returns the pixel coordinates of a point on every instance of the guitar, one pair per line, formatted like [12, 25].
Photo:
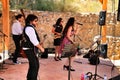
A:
[44, 38]
[41, 43]
[36, 50]
[57, 36]
[22, 51]
[22, 11]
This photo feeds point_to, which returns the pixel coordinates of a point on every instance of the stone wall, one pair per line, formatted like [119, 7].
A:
[87, 31]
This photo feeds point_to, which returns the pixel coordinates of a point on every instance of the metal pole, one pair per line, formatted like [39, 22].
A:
[69, 68]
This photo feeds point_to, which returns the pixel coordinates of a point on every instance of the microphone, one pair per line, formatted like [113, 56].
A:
[79, 23]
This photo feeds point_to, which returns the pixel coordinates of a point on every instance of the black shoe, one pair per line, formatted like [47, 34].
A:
[56, 59]
[67, 68]
[59, 58]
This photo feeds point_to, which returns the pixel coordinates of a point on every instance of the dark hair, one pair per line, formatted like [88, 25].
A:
[58, 21]
[30, 17]
[69, 23]
[18, 16]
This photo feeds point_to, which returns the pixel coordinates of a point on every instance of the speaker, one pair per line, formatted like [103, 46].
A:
[118, 13]
[102, 18]
[115, 78]
[103, 51]
[45, 54]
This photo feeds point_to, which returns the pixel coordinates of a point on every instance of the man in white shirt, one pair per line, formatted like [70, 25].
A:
[17, 30]
[31, 45]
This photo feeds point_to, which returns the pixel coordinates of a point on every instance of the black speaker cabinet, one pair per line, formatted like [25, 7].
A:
[118, 13]
[47, 51]
[102, 18]
[115, 78]
[45, 54]
[103, 50]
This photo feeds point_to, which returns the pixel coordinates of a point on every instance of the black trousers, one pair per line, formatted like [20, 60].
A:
[17, 39]
[33, 64]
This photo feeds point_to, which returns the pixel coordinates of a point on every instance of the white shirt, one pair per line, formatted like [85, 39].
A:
[30, 32]
[17, 28]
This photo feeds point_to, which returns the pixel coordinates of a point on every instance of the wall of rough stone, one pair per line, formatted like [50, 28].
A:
[87, 31]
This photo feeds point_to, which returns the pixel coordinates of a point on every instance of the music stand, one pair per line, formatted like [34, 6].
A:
[69, 55]
[69, 51]
[97, 54]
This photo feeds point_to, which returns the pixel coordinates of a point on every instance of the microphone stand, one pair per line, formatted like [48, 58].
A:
[95, 75]
[78, 48]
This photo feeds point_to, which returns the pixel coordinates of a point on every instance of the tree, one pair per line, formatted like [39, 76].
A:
[61, 5]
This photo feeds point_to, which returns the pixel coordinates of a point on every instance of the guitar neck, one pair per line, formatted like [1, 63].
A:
[22, 11]
[43, 39]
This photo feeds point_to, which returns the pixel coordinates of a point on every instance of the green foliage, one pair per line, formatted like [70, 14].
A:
[18, 4]
[42, 5]
[62, 5]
